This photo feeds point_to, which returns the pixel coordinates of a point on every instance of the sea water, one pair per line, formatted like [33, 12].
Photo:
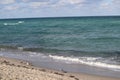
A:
[93, 41]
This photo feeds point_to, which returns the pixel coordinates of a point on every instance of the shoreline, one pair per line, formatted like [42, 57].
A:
[17, 69]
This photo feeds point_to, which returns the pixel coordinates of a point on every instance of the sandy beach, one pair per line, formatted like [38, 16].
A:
[12, 69]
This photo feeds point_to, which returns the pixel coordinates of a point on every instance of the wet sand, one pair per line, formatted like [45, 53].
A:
[12, 69]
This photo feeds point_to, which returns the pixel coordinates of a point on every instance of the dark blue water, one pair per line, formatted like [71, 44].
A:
[87, 40]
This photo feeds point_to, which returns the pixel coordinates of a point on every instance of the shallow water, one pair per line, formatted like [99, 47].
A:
[40, 60]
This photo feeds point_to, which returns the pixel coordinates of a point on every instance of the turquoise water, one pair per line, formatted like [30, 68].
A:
[79, 37]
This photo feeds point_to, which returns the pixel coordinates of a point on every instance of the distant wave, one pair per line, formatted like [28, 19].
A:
[91, 61]
[5, 48]
[104, 38]
[19, 22]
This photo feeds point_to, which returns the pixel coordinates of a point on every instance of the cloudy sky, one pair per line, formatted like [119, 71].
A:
[58, 8]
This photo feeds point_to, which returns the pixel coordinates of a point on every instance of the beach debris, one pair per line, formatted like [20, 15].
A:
[63, 71]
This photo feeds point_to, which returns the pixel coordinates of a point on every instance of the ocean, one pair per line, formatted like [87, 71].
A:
[92, 41]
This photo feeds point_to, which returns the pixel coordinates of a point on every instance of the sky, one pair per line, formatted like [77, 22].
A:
[58, 8]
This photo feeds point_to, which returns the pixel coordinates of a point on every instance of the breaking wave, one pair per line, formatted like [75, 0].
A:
[11, 24]
[91, 61]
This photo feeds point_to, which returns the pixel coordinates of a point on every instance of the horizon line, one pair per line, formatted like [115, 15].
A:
[61, 17]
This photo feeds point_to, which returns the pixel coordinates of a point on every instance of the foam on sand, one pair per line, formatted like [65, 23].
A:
[91, 61]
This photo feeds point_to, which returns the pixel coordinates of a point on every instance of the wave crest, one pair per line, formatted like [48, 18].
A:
[91, 61]
[11, 24]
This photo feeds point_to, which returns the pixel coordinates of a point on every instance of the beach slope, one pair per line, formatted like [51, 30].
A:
[12, 69]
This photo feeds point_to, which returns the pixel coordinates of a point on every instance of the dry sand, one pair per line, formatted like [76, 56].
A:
[12, 69]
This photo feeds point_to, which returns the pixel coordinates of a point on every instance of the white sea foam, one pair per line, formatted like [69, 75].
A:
[36, 54]
[5, 23]
[91, 61]
[20, 48]
[11, 23]
[19, 22]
